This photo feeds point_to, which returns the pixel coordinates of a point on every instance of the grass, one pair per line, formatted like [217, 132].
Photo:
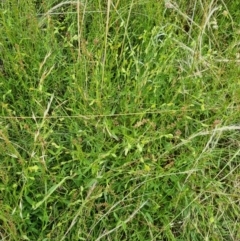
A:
[119, 120]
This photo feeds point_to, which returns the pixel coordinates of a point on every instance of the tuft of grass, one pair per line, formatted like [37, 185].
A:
[119, 120]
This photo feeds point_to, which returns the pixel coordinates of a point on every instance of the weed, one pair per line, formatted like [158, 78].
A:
[119, 120]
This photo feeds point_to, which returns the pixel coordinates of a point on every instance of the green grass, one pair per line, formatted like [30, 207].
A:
[119, 120]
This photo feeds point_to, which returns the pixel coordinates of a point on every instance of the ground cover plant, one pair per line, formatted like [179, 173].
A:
[119, 120]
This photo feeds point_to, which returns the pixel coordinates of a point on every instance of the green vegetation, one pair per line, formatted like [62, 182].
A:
[120, 120]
